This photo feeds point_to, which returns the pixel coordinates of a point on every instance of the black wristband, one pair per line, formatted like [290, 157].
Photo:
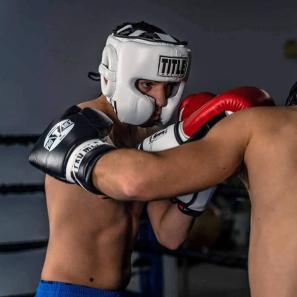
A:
[193, 213]
[83, 175]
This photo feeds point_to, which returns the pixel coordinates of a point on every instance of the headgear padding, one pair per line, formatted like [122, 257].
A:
[128, 59]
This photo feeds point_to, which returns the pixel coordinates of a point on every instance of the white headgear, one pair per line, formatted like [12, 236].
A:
[128, 59]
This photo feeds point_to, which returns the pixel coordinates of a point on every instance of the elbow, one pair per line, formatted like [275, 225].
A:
[173, 245]
[136, 187]
[169, 242]
[140, 184]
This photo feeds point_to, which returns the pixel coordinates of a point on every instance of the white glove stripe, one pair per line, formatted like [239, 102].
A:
[77, 156]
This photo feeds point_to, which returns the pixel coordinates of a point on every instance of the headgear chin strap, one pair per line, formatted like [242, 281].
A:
[128, 59]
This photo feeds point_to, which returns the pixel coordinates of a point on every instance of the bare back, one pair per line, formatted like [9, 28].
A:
[264, 140]
[271, 161]
[271, 153]
[91, 238]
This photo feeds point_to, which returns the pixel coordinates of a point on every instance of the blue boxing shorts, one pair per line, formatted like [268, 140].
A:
[59, 289]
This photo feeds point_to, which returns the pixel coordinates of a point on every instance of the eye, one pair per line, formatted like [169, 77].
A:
[171, 89]
[147, 84]
[144, 86]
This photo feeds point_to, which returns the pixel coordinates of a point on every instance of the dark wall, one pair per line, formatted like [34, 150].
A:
[47, 48]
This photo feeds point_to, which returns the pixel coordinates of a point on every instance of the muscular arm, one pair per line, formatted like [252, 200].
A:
[170, 225]
[135, 175]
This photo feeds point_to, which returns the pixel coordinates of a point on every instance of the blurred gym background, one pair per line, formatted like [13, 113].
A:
[48, 47]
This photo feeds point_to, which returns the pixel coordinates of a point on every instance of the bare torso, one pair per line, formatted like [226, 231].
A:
[91, 238]
[264, 139]
[271, 161]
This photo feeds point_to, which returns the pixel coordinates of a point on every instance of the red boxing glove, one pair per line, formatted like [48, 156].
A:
[200, 112]
[222, 105]
[193, 102]
[201, 120]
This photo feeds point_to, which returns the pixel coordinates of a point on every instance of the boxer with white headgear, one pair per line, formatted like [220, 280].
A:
[142, 52]
[91, 240]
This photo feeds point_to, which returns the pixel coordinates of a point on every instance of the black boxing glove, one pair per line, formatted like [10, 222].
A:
[70, 146]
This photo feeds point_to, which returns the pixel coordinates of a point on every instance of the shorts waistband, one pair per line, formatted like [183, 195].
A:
[60, 289]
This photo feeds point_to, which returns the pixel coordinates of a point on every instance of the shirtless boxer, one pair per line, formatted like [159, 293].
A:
[265, 141]
[83, 120]
[260, 141]
[91, 240]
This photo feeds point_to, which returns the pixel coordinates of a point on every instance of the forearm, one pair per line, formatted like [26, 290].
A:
[128, 174]
[121, 173]
[172, 227]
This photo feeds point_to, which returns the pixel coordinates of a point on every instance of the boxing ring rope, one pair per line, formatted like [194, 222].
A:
[18, 139]
[200, 256]
[20, 188]
[21, 246]
[20, 295]
[211, 257]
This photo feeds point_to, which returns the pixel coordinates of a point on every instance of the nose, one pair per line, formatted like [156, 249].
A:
[159, 94]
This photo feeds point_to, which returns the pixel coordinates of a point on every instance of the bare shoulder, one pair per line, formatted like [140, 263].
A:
[272, 131]
[257, 121]
[271, 121]
[96, 103]
[100, 103]
[235, 128]
[54, 186]
[250, 130]
[50, 182]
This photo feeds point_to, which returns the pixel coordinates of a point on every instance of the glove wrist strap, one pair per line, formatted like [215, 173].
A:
[82, 161]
